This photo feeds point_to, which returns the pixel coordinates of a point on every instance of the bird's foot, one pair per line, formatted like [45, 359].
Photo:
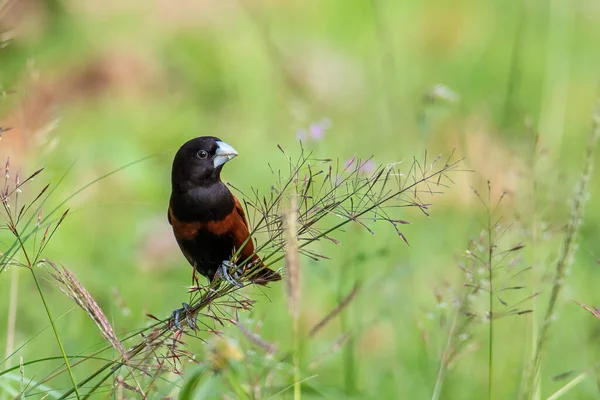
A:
[189, 318]
[223, 273]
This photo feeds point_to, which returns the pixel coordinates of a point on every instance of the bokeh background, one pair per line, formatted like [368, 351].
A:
[89, 87]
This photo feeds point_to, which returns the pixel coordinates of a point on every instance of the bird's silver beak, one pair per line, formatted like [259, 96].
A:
[223, 154]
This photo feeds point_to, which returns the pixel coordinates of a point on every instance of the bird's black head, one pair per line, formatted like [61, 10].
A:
[199, 162]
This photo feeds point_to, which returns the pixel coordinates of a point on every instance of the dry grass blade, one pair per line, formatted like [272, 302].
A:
[338, 309]
[592, 310]
[292, 264]
[73, 289]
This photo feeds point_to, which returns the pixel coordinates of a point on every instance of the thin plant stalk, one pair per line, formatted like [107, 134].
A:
[448, 353]
[535, 235]
[12, 313]
[94, 355]
[293, 287]
[16, 245]
[441, 376]
[56, 334]
[30, 264]
[570, 385]
[349, 358]
[296, 346]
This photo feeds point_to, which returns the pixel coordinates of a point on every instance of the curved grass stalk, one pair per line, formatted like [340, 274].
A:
[56, 334]
[570, 385]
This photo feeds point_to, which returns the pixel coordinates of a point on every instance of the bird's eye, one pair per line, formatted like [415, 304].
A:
[202, 154]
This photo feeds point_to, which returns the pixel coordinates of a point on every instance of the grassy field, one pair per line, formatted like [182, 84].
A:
[102, 94]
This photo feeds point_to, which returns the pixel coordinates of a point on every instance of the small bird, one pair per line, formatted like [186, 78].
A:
[207, 219]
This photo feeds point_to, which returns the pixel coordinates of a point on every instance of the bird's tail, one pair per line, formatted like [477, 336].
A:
[260, 274]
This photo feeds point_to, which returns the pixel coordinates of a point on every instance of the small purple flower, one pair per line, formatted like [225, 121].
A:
[316, 130]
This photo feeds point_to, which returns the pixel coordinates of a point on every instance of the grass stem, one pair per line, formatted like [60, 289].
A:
[12, 313]
[58, 340]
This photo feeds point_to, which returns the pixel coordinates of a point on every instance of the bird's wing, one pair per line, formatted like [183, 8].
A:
[264, 275]
[240, 210]
[241, 233]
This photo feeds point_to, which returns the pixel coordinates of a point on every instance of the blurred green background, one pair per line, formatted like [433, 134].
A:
[98, 85]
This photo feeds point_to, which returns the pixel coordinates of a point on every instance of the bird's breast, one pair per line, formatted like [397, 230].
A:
[189, 230]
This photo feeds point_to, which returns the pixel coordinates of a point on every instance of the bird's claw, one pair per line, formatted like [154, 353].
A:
[189, 318]
[223, 273]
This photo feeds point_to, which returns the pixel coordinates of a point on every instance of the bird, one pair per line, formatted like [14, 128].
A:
[208, 221]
